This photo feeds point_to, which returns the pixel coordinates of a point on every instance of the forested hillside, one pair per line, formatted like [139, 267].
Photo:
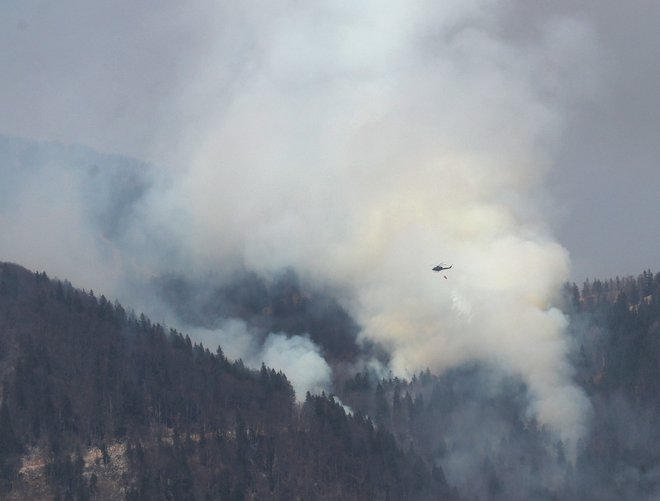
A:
[98, 403]
[473, 421]
[101, 403]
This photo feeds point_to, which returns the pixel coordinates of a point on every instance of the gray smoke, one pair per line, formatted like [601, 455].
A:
[357, 143]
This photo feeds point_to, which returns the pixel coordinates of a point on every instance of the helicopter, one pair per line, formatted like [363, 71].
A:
[441, 267]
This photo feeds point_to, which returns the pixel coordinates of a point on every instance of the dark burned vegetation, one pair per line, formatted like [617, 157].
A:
[100, 403]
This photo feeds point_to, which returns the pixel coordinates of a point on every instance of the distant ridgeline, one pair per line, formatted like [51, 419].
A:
[629, 290]
[100, 403]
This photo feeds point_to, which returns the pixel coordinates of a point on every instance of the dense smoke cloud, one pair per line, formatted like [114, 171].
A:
[357, 143]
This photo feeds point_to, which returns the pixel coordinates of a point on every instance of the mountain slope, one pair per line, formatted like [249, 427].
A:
[99, 403]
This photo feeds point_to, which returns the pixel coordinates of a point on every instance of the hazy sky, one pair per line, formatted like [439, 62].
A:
[115, 77]
[359, 142]
[607, 172]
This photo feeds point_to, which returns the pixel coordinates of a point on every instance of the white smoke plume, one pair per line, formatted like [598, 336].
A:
[359, 143]
[296, 356]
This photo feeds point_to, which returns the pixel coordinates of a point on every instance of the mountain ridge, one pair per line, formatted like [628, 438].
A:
[83, 375]
[98, 402]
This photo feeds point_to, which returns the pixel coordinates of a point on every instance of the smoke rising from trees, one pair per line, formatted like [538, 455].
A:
[355, 143]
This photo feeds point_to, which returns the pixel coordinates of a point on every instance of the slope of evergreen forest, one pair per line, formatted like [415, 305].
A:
[100, 403]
